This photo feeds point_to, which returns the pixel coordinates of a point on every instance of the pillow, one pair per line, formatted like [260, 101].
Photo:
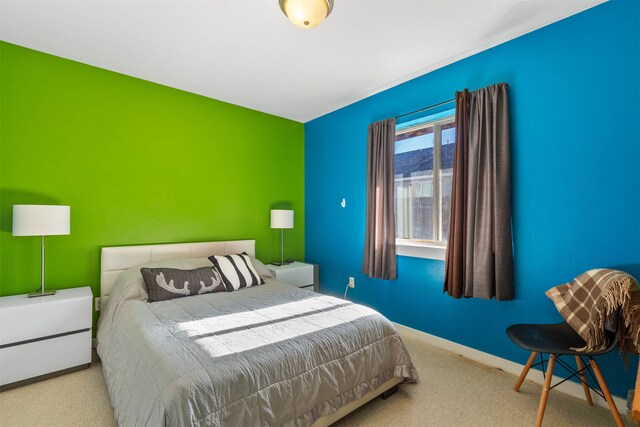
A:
[130, 284]
[261, 269]
[237, 271]
[168, 283]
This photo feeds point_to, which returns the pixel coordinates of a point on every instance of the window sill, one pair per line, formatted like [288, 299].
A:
[420, 250]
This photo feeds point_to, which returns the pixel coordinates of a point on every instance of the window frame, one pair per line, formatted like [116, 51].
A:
[430, 249]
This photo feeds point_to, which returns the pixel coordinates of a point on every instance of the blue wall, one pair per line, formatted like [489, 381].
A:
[574, 95]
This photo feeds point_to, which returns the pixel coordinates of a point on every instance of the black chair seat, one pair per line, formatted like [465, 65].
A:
[556, 338]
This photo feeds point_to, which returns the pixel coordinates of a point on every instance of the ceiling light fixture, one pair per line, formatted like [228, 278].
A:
[306, 13]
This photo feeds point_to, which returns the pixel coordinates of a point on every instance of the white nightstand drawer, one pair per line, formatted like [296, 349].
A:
[296, 274]
[20, 362]
[23, 318]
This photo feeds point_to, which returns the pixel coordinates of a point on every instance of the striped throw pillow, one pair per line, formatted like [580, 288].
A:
[236, 271]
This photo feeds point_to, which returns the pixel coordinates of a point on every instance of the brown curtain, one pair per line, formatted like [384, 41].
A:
[479, 258]
[380, 234]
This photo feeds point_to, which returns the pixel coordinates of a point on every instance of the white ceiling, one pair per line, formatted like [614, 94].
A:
[247, 53]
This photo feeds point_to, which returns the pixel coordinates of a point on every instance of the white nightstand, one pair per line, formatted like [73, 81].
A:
[44, 335]
[297, 274]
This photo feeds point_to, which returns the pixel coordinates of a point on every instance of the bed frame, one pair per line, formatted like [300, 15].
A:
[116, 259]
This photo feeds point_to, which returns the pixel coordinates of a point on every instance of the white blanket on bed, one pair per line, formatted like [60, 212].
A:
[266, 355]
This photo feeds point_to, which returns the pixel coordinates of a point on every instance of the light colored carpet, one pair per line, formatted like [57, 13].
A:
[452, 391]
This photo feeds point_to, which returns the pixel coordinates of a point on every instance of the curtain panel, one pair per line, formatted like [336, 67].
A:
[380, 233]
[479, 257]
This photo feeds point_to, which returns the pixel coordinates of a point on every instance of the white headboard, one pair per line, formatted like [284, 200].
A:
[116, 259]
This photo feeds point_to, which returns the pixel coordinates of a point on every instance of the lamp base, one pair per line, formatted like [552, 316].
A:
[41, 293]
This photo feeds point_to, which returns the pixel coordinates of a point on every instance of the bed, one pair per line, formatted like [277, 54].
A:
[271, 354]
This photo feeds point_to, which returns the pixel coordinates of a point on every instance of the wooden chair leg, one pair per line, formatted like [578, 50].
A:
[545, 390]
[607, 394]
[635, 413]
[525, 370]
[583, 377]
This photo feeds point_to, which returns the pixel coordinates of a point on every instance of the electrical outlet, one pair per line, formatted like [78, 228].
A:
[97, 305]
[352, 282]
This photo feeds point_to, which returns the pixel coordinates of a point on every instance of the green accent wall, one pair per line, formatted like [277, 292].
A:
[139, 163]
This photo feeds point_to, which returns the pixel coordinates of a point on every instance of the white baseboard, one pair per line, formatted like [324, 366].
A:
[571, 388]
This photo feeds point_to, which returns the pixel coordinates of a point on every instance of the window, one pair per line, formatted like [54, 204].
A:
[423, 175]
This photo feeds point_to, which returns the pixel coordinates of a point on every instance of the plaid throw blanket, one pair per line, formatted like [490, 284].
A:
[587, 302]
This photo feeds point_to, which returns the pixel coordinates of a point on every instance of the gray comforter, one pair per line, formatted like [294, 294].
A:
[266, 355]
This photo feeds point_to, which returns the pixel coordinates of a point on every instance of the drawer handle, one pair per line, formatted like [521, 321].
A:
[43, 338]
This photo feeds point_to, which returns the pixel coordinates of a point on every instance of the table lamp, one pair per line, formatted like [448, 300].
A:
[281, 218]
[41, 220]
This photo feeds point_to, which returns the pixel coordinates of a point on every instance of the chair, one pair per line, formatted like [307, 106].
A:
[556, 340]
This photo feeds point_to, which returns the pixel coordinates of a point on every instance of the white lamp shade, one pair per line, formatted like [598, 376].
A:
[41, 220]
[281, 218]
